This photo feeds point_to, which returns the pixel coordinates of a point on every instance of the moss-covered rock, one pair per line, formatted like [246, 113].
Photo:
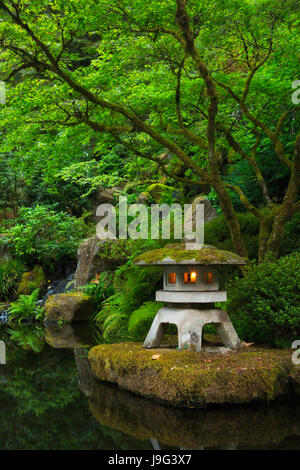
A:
[32, 280]
[176, 253]
[191, 379]
[159, 192]
[68, 308]
[95, 256]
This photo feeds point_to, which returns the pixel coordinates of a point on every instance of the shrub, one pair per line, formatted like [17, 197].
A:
[291, 240]
[26, 308]
[217, 233]
[44, 236]
[10, 275]
[264, 305]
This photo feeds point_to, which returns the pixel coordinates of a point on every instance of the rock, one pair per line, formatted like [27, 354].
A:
[144, 197]
[105, 196]
[87, 266]
[159, 191]
[32, 280]
[209, 212]
[95, 256]
[195, 379]
[68, 308]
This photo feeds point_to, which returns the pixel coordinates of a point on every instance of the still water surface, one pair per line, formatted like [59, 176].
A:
[48, 400]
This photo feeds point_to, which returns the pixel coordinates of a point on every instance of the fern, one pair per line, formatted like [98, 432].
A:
[140, 320]
[28, 336]
[134, 286]
[115, 327]
[25, 308]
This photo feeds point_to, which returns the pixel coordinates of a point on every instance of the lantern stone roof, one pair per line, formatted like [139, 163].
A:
[176, 254]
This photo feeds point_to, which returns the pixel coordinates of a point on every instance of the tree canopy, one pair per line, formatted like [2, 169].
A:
[198, 91]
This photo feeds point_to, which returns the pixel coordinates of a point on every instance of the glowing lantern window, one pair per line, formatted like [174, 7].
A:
[171, 278]
[208, 278]
[190, 278]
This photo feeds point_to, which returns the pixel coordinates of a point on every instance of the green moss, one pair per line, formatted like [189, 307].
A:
[176, 253]
[31, 281]
[187, 378]
[69, 307]
[160, 191]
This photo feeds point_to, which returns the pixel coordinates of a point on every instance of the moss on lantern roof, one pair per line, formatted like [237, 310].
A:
[177, 254]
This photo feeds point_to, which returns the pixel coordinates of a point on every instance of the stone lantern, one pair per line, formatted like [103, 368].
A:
[190, 290]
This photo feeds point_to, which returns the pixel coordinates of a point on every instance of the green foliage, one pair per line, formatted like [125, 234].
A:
[71, 127]
[291, 241]
[101, 287]
[42, 235]
[10, 275]
[26, 308]
[32, 280]
[140, 320]
[134, 285]
[28, 337]
[217, 234]
[264, 305]
[90, 175]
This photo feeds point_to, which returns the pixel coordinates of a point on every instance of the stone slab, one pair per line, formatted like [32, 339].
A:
[191, 297]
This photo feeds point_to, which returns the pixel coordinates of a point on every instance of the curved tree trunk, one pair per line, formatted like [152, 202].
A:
[287, 206]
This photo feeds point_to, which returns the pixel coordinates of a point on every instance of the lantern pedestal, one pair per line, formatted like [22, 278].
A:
[190, 323]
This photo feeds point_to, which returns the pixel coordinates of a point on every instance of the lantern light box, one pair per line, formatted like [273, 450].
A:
[190, 289]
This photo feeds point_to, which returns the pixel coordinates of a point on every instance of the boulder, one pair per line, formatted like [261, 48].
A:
[159, 191]
[95, 256]
[210, 212]
[144, 197]
[69, 308]
[196, 379]
[104, 196]
[32, 280]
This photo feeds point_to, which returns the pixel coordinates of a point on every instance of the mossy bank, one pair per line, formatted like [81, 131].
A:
[190, 379]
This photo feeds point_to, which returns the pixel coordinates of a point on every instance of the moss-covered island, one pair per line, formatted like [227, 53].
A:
[197, 379]
[176, 253]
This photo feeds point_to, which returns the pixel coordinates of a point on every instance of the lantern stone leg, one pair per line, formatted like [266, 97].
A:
[190, 323]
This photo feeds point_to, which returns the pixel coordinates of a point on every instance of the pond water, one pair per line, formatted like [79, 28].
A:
[48, 400]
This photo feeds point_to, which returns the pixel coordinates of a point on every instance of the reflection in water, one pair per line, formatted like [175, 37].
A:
[77, 335]
[193, 429]
[42, 406]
